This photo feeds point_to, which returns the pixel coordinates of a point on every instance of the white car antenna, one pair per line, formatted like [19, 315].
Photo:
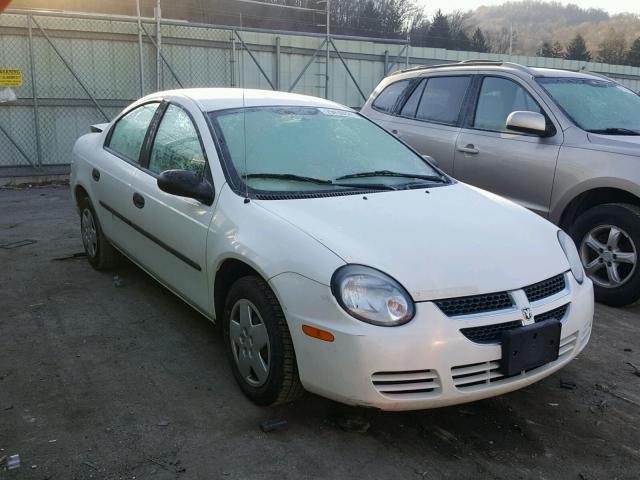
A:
[244, 122]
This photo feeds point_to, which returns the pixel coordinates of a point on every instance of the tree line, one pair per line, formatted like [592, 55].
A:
[613, 49]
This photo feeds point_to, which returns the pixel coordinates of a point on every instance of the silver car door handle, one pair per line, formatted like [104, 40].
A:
[469, 148]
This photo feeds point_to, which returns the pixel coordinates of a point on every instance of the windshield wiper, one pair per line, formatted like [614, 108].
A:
[615, 131]
[389, 173]
[289, 176]
[319, 181]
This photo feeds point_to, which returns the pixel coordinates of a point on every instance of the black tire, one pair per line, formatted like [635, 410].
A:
[102, 256]
[625, 217]
[281, 384]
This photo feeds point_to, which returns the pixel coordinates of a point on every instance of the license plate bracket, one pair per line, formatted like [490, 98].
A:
[530, 346]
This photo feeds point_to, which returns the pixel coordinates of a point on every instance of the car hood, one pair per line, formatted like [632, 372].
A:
[626, 144]
[452, 241]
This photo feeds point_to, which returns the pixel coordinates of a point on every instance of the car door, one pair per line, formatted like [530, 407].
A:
[175, 228]
[518, 166]
[112, 174]
[429, 120]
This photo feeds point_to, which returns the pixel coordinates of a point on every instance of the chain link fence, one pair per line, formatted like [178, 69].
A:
[81, 69]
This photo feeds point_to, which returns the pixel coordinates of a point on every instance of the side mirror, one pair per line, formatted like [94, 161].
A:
[185, 183]
[431, 160]
[528, 122]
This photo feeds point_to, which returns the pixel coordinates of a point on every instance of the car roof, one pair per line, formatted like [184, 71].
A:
[211, 99]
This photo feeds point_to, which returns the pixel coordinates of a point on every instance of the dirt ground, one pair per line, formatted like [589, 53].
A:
[121, 380]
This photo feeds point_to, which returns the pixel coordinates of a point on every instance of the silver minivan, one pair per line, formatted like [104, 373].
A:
[563, 144]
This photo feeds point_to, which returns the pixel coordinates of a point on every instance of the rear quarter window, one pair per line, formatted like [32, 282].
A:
[387, 100]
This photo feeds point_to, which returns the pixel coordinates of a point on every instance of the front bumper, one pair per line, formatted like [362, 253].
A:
[377, 366]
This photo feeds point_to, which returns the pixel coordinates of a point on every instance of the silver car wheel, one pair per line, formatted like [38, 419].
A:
[89, 234]
[608, 255]
[250, 343]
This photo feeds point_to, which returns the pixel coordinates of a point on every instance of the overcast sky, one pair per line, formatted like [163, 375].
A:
[611, 6]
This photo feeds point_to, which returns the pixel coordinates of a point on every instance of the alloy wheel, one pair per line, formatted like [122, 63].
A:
[250, 343]
[608, 255]
[89, 234]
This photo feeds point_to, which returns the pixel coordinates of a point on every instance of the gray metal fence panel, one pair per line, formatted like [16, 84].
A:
[87, 67]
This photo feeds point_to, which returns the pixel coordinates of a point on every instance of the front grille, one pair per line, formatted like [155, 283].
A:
[545, 288]
[477, 376]
[475, 304]
[556, 314]
[489, 333]
[413, 383]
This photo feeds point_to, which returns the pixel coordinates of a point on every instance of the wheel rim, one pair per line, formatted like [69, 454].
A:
[250, 343]
[89, 234]
[608, 255]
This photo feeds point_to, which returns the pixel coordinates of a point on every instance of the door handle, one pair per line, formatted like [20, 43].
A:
[469, 148]
[95, 174]
[138, 200]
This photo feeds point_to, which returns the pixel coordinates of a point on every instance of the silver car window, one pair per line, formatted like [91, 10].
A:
[498, 98]
[176, 145]
[128, 133]
[442, 99]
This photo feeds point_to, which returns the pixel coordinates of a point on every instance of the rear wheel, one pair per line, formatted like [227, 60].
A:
[100, 253]
[258, 343]
[608, 240]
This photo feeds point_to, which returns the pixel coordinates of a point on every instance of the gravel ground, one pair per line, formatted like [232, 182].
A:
[99, 380]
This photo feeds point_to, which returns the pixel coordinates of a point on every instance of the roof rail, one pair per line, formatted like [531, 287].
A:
[468, 63]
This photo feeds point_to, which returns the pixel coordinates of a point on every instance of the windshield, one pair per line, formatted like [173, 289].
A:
[316, 149]
[596, 105]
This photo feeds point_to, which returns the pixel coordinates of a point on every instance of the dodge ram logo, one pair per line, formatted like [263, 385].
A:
[527, 313]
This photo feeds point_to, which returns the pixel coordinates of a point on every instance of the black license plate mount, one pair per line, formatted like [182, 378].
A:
[530, 346]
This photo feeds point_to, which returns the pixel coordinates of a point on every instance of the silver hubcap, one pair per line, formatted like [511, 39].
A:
[89, 235]
[250, 343]
[608, 255]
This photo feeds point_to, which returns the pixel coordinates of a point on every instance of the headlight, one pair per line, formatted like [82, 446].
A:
[570, 250]
[371, 296]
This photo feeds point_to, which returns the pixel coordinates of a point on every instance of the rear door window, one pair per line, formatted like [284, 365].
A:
[410, 107]
[128, 134]
[442, 99]
[498, 98]
[388, 99]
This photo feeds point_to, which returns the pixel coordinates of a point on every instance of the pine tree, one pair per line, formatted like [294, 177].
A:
[633, 55]
[550, 51]
[545, 50]
[478, 42]
[439, 32]
[577, 49]
[556, 50]
[461, 41]
[613, 49]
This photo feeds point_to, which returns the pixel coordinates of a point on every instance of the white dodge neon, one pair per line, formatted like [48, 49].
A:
[336, 258]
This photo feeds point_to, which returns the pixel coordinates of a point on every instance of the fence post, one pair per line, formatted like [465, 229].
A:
[34, 93]
[158, 48]
[140, 49]
[277, 73]
[386, 63]
[326, 76]
[232, 60]
[406, 62]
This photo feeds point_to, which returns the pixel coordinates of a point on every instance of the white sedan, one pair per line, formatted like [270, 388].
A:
[336, 258]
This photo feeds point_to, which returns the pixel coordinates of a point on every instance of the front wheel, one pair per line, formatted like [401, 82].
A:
[608, 240]
[258, 343]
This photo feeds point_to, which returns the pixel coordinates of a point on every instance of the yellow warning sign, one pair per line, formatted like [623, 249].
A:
[10, 77]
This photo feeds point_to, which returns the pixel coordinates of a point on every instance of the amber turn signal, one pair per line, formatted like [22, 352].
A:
[317, 333]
